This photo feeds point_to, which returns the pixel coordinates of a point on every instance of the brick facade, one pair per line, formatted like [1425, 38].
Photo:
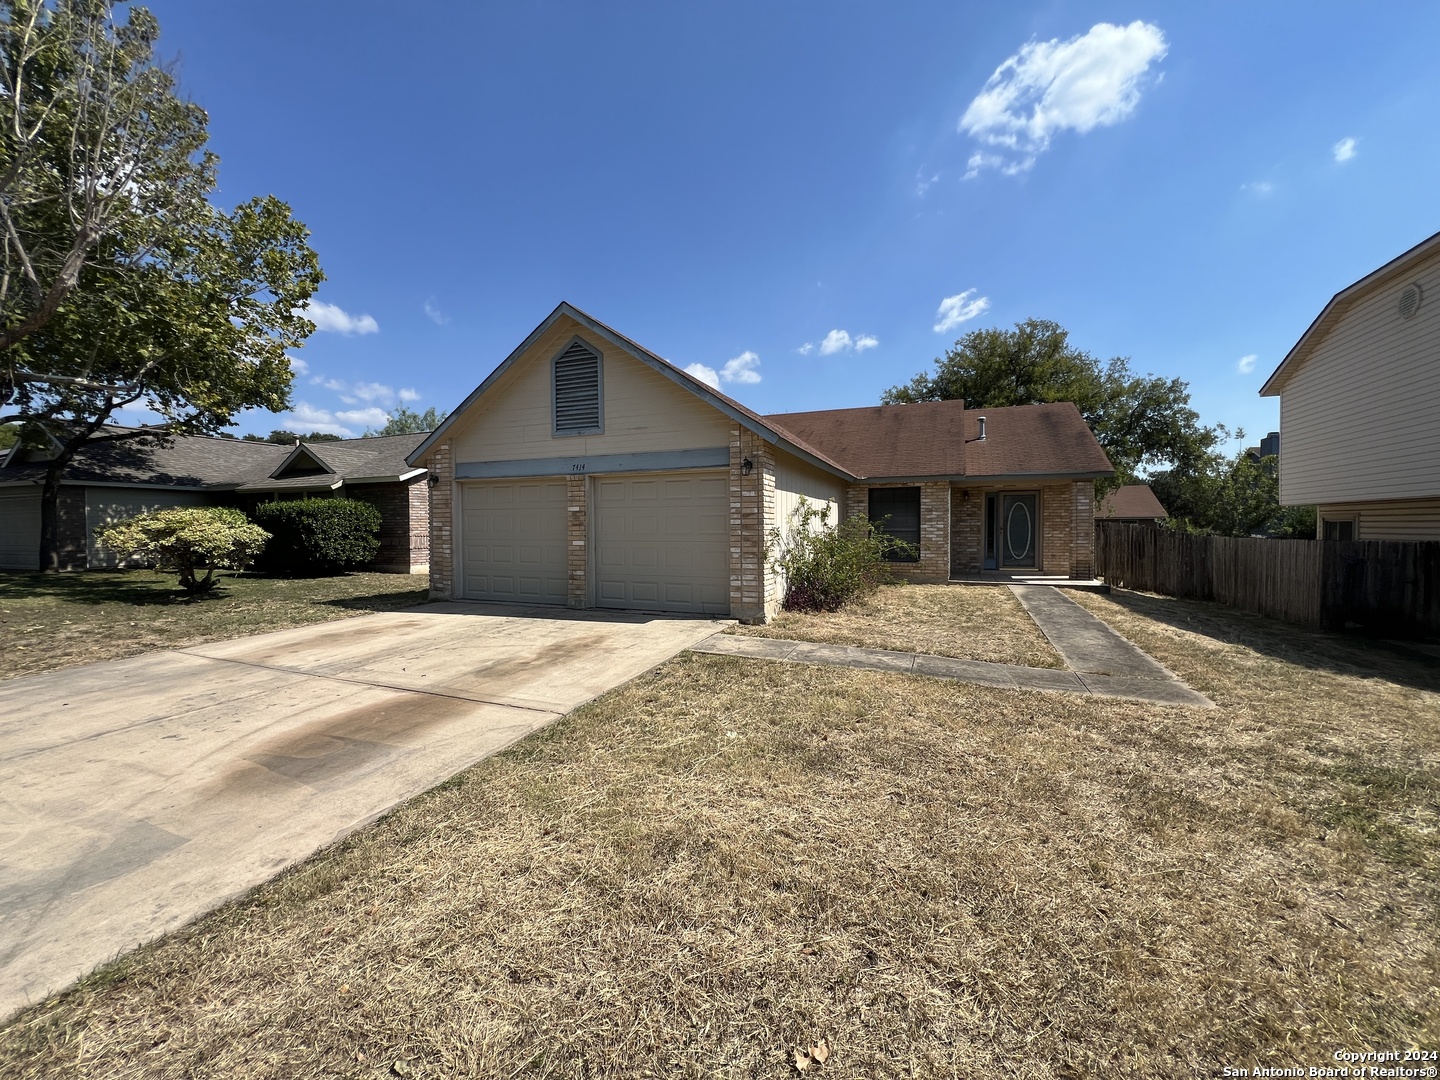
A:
[577, 536]
[967, 510]
[754, 587]
[404, 524]
[1067, 524]
[934, 564]
[442, 533]
[1082, 536]
[71, 529]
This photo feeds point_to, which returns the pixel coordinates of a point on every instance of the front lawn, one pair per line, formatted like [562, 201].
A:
[728, 859]
[969, 622]
[50, 621]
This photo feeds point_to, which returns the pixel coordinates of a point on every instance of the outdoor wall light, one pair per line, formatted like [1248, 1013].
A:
[747, 467]
[433, 479]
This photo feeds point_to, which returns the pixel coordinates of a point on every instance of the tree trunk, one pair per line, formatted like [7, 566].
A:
[50, 515]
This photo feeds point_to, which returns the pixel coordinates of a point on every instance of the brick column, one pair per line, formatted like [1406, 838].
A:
[418, 498]
[966, 509]
[577, 535]
[442, 533]
[1057, 535]
[754, 588]
[857, 501]
[1082, 561]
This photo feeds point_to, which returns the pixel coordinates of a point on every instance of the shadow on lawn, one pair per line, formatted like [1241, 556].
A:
[1340, 654]
[99, 587]
[380, 601]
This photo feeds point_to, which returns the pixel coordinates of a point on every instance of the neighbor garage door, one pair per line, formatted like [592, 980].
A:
[105, 506]
[513, 540]
[19, 530]
[662, 542]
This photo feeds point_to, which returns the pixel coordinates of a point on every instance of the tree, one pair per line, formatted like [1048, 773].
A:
[176, 306]
[188, 539]
[1143, 421]
[290, 438]
[1237, 496]
[94, 142]
[404, 421]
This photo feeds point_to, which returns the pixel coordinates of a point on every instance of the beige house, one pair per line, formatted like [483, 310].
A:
[1359, 402]
[587, 471]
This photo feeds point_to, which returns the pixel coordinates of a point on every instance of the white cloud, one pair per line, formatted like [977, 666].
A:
[806, 349]
[407, 395]
[1258, 187]
[866, 341]
[960, 308]
[839, 341]
[924, 183]
[432, 310]
[305, 418]
[298, 366]
[708, 375]
[329, 317]
[1246, 363]
[1092, 80]
[373, 391]
[1344, 150]
[835, 341]
[741, 368]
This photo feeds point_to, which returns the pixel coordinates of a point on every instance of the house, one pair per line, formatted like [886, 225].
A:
[587, 471]
[1132, 503]
[1359, 397]
[110, 481]
[1269, 447]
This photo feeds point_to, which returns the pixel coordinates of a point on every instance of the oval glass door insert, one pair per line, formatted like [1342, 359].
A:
[1019, 532]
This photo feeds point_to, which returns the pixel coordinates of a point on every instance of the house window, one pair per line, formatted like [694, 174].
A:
[897, 512]
[1340, 530]
[577, 390]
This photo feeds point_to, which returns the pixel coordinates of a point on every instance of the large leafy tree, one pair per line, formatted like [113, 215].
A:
[176, 306]
[405, 421]
[1237, 496]
[1144, 422]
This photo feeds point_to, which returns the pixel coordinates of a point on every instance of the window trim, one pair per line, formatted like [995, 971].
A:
[590, 346]
[1353, 520]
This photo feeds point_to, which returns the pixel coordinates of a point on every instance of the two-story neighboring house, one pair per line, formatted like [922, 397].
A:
[1360, 406]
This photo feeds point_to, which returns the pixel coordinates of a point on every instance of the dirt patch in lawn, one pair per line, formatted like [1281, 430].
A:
[968, 622]
[50, 621]
[729, 859]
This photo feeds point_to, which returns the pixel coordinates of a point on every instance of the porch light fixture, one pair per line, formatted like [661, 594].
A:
[433, 479]
[746, 467]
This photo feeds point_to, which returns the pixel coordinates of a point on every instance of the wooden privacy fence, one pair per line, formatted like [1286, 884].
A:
[1383, 586]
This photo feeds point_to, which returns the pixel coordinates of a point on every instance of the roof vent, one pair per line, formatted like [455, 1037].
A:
[981, 421]
[577, 391]
[1410, 298]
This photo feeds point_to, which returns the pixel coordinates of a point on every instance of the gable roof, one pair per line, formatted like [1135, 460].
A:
[727, 405]
[200, 462]
[1130, 501]
[942, 439]
[1339, 304]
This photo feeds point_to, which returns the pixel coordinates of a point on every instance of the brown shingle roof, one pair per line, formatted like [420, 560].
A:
[1132, 502]
[885, 440]
[942, 438]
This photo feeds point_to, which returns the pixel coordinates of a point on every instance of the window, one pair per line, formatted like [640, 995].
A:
[901, 506]
[1340, 530]
[577, 390]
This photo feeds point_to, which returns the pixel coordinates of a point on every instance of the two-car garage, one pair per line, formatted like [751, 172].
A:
[657, 541]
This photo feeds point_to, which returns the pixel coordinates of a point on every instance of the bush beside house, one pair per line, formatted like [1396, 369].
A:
[318, 536]
[187, 540]
[824, 566]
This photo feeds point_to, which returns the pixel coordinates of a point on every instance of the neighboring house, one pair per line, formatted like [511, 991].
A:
[1359, 401]
[588, 471]
[1269, 447]
[109, 481]
[1132, 503]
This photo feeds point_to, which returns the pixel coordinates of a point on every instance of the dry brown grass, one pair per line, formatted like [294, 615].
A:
[969, 622]
[730, 858]
[50, 621]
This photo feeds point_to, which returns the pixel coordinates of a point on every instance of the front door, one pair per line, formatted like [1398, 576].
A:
[1017, 531]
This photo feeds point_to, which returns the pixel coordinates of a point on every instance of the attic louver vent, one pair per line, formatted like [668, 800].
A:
[577, 391]
[1410, 297]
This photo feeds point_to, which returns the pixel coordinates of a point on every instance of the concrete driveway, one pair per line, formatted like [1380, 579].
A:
[140, 793]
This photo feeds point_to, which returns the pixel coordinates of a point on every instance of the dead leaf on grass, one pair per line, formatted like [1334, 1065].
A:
[816, 1055]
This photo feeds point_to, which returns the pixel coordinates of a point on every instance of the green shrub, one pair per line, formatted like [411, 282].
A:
[822, 566]
[311, 537]
[187, 539]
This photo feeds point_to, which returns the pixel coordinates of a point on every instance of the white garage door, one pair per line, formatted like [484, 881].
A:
[19, 530]
[105, 506]
[513, 540]
[662, 542]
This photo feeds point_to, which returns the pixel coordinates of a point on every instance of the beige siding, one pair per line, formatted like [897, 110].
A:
[794, 480]
[106, 506]
[1358, 418]
[643, 410]
[1416, 519]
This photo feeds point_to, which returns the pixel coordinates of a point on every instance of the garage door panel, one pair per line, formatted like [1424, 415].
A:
[514, 541]
[663, 542]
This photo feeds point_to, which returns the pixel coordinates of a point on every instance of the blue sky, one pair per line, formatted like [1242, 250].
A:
[1185, 185]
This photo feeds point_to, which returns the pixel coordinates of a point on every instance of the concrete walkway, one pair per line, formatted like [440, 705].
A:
[1101, 662]
[140, 793]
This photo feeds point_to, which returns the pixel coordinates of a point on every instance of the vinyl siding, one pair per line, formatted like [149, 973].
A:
[1358, 417]
[642, 410]
[1417, 519]
[795, 479]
